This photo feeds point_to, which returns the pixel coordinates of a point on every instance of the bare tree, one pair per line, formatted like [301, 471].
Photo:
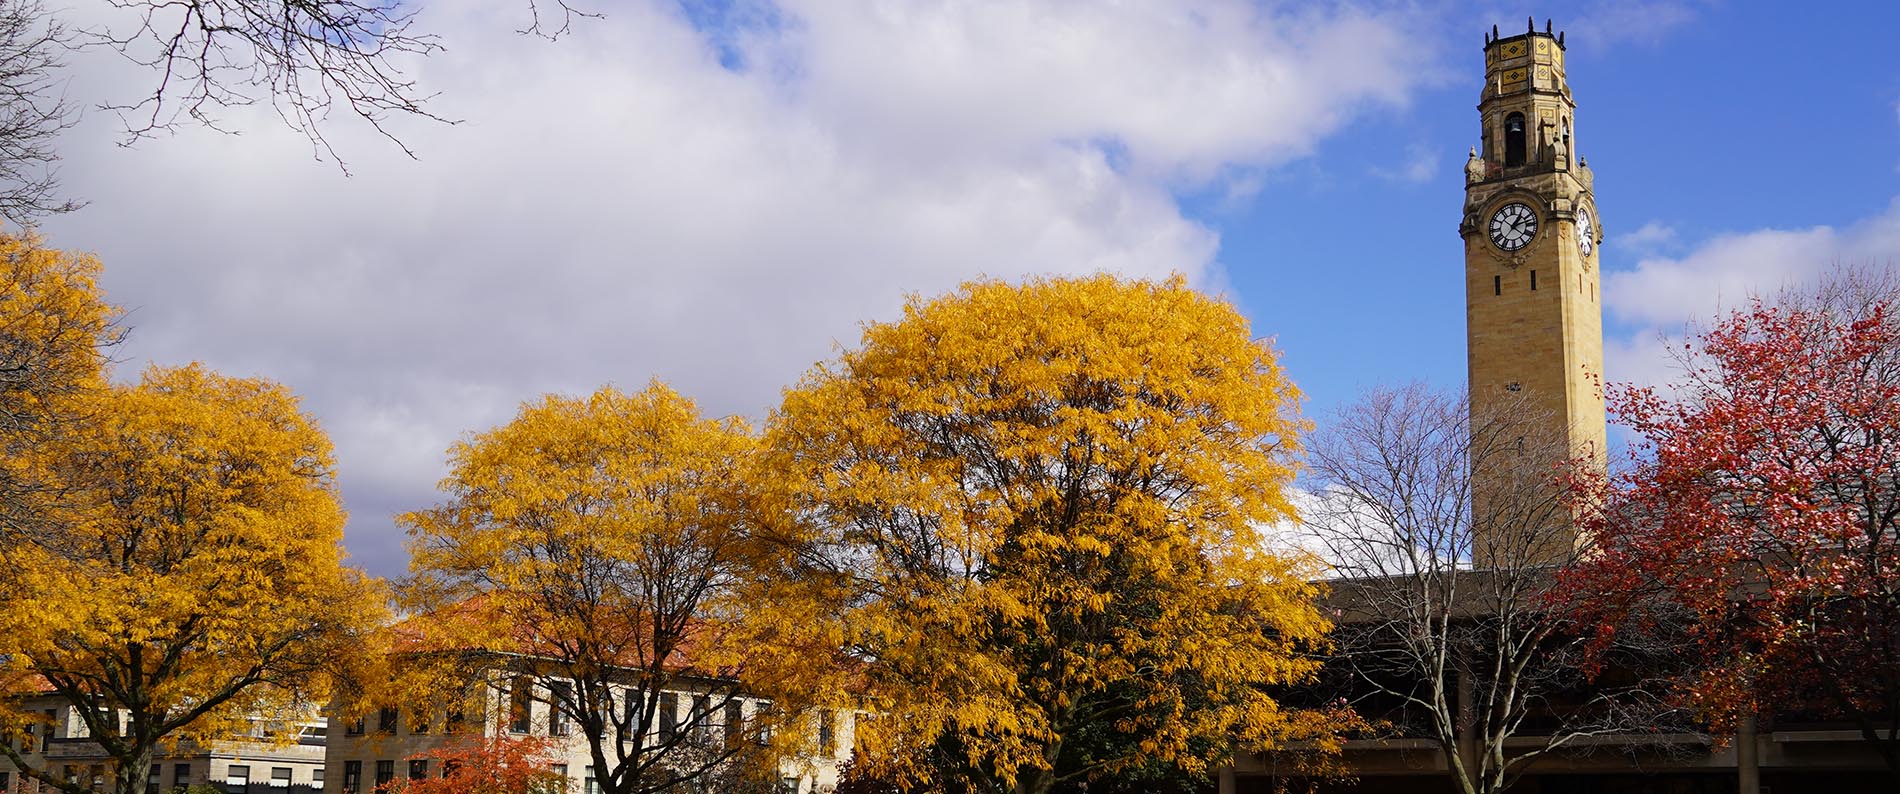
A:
[1475, 657]
[308, 58]
[33, 112]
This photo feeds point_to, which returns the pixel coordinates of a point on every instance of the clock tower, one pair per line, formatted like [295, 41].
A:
[1532, 310]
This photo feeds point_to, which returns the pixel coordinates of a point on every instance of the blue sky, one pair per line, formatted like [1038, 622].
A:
[716, 194]
[1739, 118]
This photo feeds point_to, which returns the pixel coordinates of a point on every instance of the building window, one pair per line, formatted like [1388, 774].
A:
[735, 721]
[559, 696]
[355, 728]
[456, 722]
[6, 782]
[181, 775]
[633, 703]
[520, 704]
[589, 785]
[669, 716]
[560, 771]
[1514, 140]
[1534, 281]
[788, 785]
[280, 777]
[151, 779]
[418, 768]
[419, 722]
[385, 772]
[827, 732]
[237, 779]
[701, 717]
[316, 777]
[386, 720]
[352, 776]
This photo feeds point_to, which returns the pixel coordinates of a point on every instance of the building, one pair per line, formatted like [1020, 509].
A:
[1531, 232]
[1533, 318]
[696, 718]
[263, 763]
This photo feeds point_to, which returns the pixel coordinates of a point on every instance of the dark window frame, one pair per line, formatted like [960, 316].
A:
[521, 705]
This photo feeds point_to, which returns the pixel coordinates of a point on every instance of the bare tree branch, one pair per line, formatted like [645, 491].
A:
[307, 58]
[33, 112]
[1446, 525]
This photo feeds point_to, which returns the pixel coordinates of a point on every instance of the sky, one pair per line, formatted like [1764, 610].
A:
[718, 194]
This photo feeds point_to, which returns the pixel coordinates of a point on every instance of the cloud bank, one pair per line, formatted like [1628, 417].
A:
[1664, 294]
[712, 202]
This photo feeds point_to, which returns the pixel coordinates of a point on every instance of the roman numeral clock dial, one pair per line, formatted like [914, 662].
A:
[1513, 227]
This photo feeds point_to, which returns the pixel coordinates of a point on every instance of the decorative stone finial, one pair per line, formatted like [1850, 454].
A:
[1474, 167]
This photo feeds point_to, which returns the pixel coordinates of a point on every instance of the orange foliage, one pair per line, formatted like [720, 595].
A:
[486, 765]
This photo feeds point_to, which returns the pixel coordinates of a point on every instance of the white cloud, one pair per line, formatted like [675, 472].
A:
[618, 205]
[1663, 294]
[1654, 237]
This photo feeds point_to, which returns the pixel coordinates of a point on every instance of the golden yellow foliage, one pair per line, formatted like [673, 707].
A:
[1046, 497]
[195, 578]
[605, 543]
[52, 325]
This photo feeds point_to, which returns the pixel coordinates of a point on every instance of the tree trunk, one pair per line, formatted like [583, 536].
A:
[129, 773]
[1038, 782]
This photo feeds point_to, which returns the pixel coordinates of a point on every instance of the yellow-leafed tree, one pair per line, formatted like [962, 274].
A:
[1045, 498]
[599, 555]
[53, 325]
[189, 582]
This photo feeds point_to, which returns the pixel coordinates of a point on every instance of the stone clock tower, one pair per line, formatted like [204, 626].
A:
[1532, 309]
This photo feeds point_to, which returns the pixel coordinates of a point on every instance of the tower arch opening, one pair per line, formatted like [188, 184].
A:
[1514, 140]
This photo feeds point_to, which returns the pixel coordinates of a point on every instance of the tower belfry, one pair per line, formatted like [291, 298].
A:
[1533, 316]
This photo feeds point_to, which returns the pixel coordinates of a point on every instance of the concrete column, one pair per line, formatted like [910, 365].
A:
[1747, 756]
[1227, 780]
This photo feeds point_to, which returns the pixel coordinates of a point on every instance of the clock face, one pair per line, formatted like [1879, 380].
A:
[1586, 232]
[1513, 227]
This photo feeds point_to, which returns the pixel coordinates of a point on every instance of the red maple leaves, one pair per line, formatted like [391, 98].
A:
[1760, 513]
[484, 765]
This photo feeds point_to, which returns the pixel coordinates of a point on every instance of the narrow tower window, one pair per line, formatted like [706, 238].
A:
[1497, 285]
[1534, 281]
[1514, 140]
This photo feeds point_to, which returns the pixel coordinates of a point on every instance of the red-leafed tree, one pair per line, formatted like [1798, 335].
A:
[1762, 506]
[486, 765]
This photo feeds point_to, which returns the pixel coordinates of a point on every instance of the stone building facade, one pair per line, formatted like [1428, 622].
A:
[260, 764]
[365, 753]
